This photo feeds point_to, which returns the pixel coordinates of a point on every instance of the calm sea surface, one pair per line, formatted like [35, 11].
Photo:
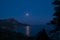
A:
[34, 29]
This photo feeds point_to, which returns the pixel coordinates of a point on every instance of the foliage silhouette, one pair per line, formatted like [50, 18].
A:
[42, 35]
[56, 20]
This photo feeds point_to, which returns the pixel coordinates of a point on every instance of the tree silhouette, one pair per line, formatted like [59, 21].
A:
[42, 35]
[56, 19]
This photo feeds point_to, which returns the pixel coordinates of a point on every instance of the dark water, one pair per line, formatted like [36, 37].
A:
[34, 29]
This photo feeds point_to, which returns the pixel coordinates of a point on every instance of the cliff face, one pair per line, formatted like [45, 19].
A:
[11, 23]
[9, 35]
[6, 29]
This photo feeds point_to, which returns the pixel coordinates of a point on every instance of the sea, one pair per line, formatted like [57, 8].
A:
[34, 29]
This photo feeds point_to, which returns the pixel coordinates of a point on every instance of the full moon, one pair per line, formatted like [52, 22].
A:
[27, 14]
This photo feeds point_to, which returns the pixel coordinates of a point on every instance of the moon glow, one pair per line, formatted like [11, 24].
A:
[27, 14]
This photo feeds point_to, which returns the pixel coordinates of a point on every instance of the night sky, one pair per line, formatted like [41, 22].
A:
[40, 11]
